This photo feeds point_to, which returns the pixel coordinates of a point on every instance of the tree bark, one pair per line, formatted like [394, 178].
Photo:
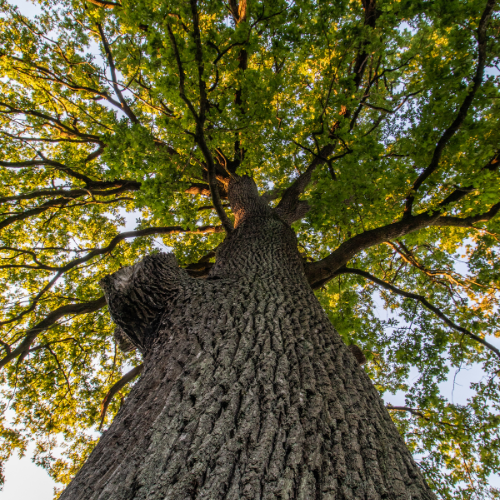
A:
[248, 392]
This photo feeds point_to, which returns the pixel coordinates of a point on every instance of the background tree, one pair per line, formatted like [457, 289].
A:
[382, 115]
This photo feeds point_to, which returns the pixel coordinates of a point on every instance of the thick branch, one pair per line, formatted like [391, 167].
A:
[366, 93]
[182, 75]
[117, 239]
[423, 301]
[45, 161]
[200, 120]
[135, 234]
[39, 265]
[456, 195]
[45, 139]
[59, 202]
[99, 251]
[289, 207]
[212, 181]
[126, 379]
[462, 113]
[198, 188]
[204, 190]
[320, 272]
[371, 14]
[48, 321]
[76, 193]
[461, 192]
[199, 61]
[51, 76]
[408, 257]
[34, 300]
[239, 11]
[467, 222]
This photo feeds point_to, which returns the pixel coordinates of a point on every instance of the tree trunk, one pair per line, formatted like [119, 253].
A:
[248, 392]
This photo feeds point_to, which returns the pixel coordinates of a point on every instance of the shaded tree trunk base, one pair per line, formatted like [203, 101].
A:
[248, 391]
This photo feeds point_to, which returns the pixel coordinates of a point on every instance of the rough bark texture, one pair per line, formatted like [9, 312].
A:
[248, 392]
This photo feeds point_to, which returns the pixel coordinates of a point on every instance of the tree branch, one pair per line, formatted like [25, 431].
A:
[60, 368]
[367, 90]
[138, 295]
[462, 113]
[200, 134]
[126, 379]
[39, 266]
[75, 309]
[182, 75]
[461, 192]
[75, 193]
[417, 413]
[423, 301]
[198, 188]
[467, 222]
[200, 117]
[371, 15]
[44, 139]
[56, 122]
[99, 251]
[413, 411]
[135, 234]
[106, 5]
[125, 107]
[59, 202]
[51, 76]
[320, 272]
[51, 163]
[289, 205]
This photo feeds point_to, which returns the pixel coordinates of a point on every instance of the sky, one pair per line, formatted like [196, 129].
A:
[26, 481]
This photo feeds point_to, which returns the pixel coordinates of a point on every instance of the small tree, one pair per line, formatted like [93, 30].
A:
[275, 148]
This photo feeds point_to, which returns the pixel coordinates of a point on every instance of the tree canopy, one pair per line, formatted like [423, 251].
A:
[383, 115]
